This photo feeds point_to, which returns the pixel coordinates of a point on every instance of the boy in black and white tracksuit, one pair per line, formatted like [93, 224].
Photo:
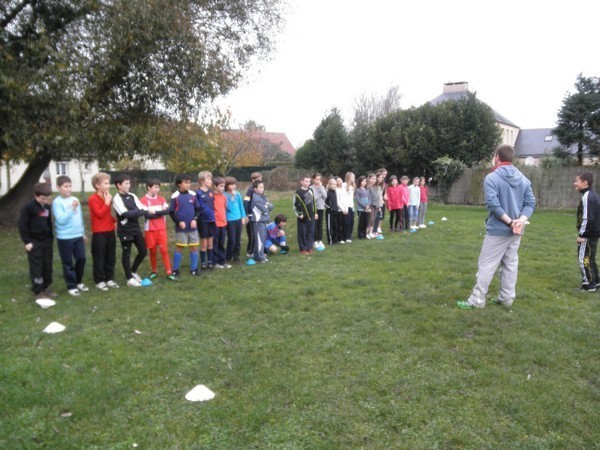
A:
[588, 231]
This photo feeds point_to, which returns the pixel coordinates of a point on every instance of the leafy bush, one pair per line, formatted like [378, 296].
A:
[447, 171]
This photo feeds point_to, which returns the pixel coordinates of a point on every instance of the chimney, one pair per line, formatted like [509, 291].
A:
[458, 86]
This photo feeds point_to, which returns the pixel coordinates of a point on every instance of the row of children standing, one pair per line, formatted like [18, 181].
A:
[407, 205]
[205, 221]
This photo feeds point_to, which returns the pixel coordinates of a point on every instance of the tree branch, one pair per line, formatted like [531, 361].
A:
[14, 13]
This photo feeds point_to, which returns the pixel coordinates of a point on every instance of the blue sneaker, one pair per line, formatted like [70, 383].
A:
[250, 262]
[379, 237]
[146, 282]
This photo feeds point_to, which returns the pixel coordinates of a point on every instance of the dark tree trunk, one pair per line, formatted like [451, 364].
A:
[20, 193]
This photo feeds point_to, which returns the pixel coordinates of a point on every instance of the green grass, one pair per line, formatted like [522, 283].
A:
[360, 346]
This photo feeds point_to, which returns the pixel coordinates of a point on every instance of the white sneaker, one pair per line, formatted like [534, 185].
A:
[348, 241]
[82, 287]
[422, 226]
[219, 266]
[227, 266]
[137, 277]
[102, 286]
[133, 282]
[73, 292]
[369, 236]
[316, 245]
[379, 230]
[112, 284]
[342, 242]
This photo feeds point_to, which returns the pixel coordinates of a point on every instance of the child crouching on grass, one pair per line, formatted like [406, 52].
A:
[276, 236]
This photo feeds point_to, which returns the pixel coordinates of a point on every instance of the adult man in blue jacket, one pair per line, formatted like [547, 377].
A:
[510, 202]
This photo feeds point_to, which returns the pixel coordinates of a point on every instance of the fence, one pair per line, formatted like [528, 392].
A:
[553, 188]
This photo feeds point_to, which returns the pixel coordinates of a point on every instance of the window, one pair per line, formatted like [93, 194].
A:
[548, 138]
[61, 168]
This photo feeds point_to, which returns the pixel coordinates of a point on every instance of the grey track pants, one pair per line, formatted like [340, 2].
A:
[497, 251]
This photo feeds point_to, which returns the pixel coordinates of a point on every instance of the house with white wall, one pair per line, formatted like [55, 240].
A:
[531, 145]
[459, 89]
[80, 172]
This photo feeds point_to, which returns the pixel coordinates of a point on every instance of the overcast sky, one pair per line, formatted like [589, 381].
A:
[520, 57]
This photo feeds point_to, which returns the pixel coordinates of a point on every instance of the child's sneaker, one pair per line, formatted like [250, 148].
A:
[82, 287]
[195, 273]
[175, 272]
[136, 277]
[102, 286]
[153, 275]
[74, 292]
[227, 266]
[250, 262]
[49, 293]
[112, 284]
[379, 237]
[171, 277]
[218, 266]
[133, 282]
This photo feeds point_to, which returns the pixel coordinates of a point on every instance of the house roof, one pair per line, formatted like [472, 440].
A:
[537, 142]
[457, 95]
[278, 139]
[275, 138]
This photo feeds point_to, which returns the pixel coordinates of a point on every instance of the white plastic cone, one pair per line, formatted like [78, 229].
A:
[45, 303]
[54, 327]
[200, 394]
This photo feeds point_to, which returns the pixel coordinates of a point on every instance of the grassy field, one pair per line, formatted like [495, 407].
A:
[360, 346]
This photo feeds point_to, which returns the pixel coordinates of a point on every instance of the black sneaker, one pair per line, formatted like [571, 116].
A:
[153, 275]
[588, 287]
[195, 273]
[175, 272]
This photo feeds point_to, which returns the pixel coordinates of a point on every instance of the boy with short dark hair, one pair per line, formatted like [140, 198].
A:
[206, 218]
[276, 235]
[184, 209]
[35, 230]
[306, 213]
[104, 244]
[588, 231]
[220, 202]
[155, 229]
[70, 235]
[129, 209]
[261, 208]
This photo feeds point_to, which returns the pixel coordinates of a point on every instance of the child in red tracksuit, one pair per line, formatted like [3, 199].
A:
[155, 229]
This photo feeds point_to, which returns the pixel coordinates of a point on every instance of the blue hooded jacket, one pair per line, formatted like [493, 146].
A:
[507, 191]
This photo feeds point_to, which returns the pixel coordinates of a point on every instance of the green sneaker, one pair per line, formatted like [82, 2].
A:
[171, 277]
[153, 275]
[462, 304]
